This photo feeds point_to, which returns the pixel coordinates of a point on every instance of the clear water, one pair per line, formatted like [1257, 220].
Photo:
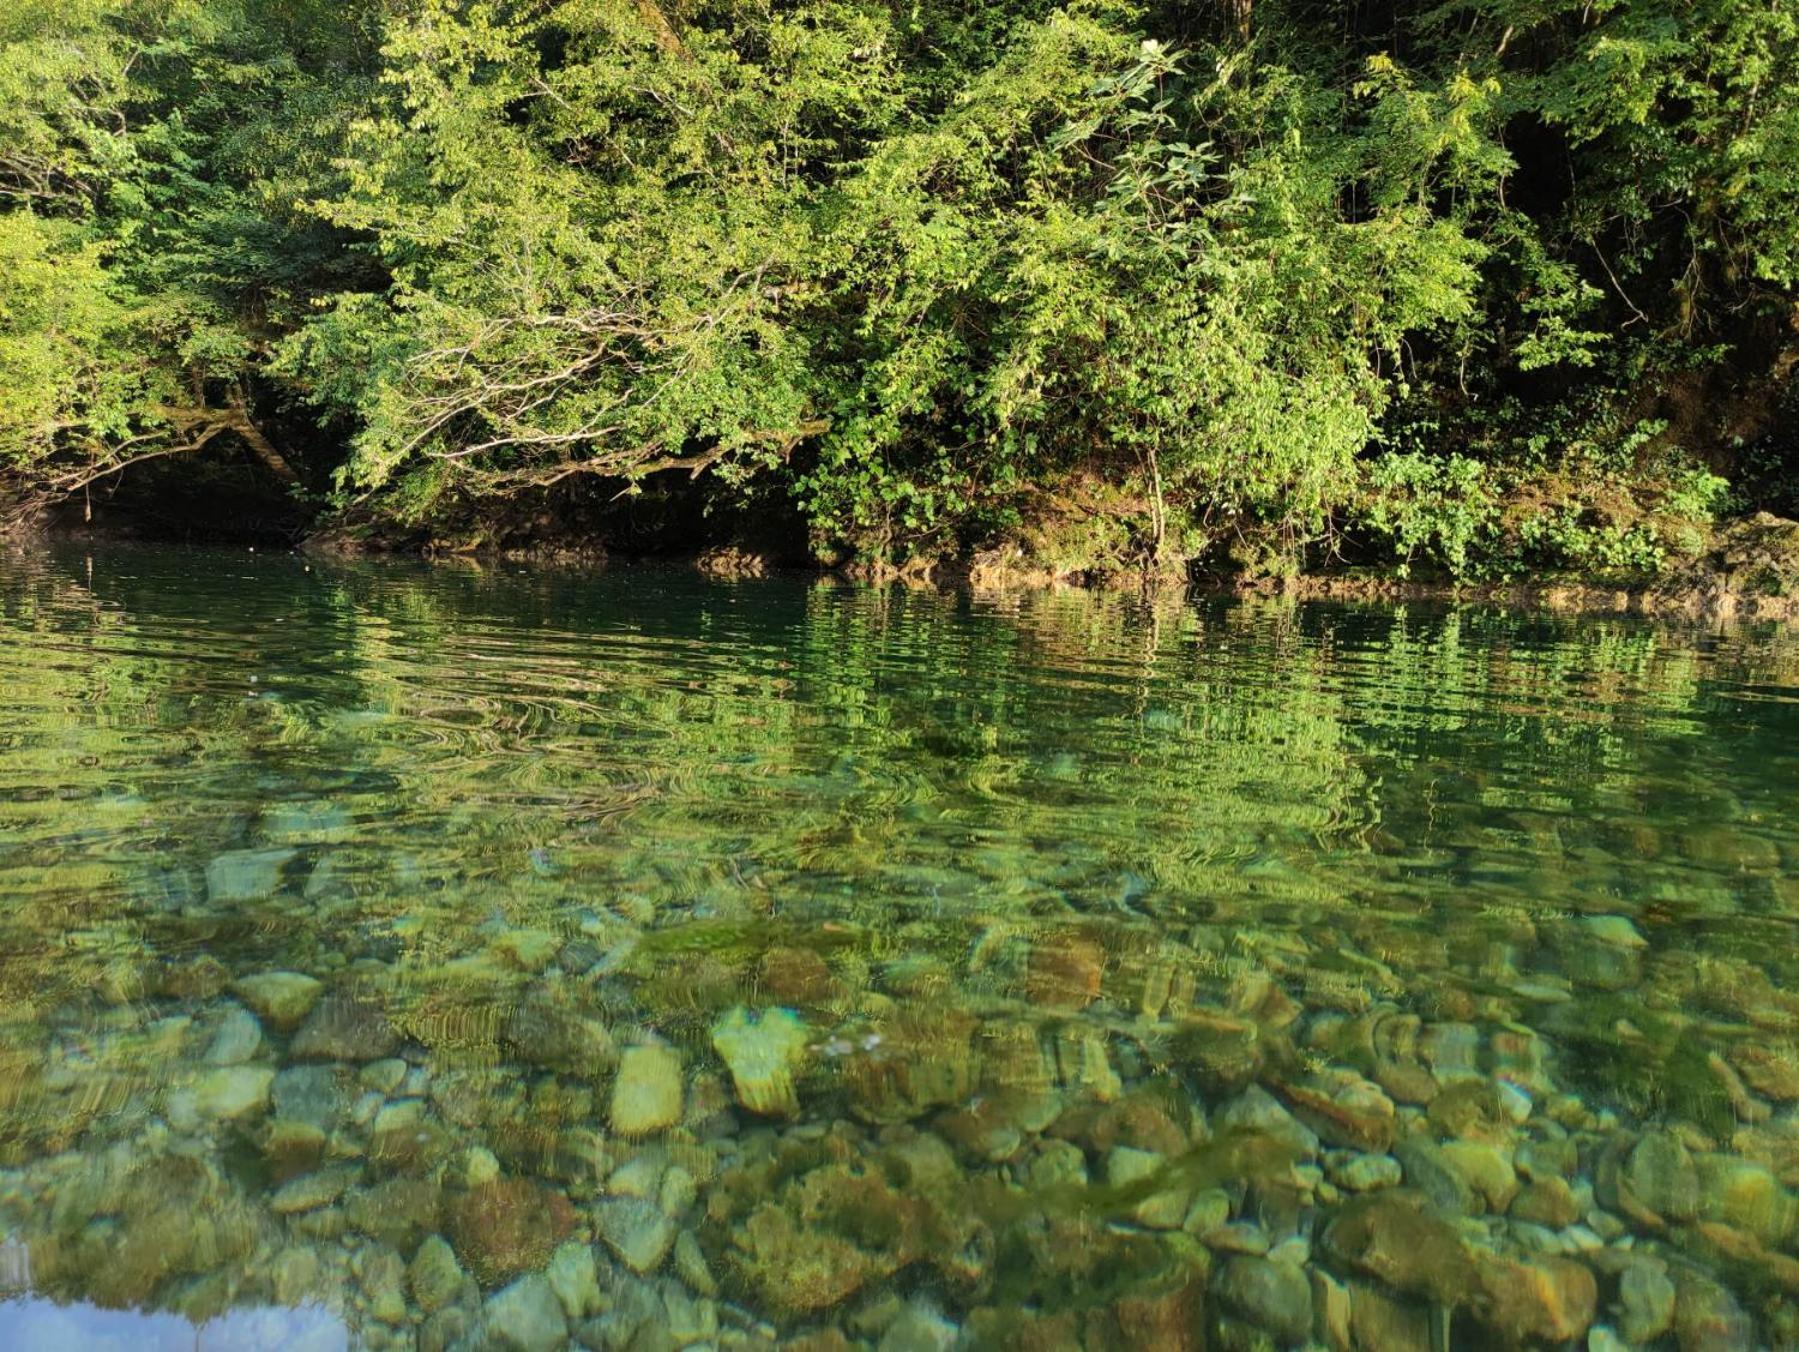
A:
[1039, 971]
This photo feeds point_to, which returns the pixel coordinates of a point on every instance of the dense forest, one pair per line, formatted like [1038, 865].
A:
[1481, 287]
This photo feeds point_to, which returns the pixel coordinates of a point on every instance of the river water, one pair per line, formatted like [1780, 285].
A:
[403, 956]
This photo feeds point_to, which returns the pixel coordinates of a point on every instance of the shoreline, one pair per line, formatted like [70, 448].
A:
[1750, 574]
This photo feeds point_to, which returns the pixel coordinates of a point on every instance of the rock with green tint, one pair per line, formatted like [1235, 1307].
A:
[1269, 1295]
[435, 1276]
[529, 950]
[280, 999]
[236, 1039]
[311, 1191]
[1645, 1302]
[575, 1277]
[647, 1094]
[526, 1317]
[245, 875]
[635, 1230]
[1660, 1176]
[314, 822]
[763, 1052]
[233, 1092]
[345, 1027]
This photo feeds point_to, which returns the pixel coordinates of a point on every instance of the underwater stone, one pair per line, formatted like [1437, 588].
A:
[691, 1265]
[382, 1273]
[762, 1052]
[526, 1317]
[635, 1230]
[1548, 1301]
[1223, 1053]
[233, 1092]
[245, 875]
[529, 950]
[1365, 1173]
[312, 1191]
[281, 999]
[1661, 1176]
[646, 1096]
[1273, 1296]
[1429, 1171]
[1484, 1169]
[1162, 1210]
[1548, 1201]
[1064, 972]
[919, 1328]
[575, 1278]
[1745, 1195]
[436, 1277]
[546, 1032]
[1645, 1303]
[1390, 1235]
[318, 1096]
[345, 1027]
[237, 1038]
[1257, 1110]
[397, 1211]
[1708, 1318]
[508, 1226]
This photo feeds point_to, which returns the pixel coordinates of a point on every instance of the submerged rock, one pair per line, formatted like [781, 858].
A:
[280, 999]
[646, 1096]
[1271, 1295]
[526, 1317]
[345, 1027]
[233, 1092]
[763, 1052]
[435, 1276]
[508, 1226]
[1391, 1236]
[245, 875]
[237, 1038]
[638, 1232]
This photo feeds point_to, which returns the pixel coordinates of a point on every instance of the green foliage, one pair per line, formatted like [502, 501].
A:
[1442, 509]
[924, 272]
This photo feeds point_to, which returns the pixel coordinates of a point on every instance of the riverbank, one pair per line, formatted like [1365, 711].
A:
[1749, 570]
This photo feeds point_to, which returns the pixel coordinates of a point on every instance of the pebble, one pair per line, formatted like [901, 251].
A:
[646, 1095]
[575, 1277]
[1645, 1303]
[637, 1232]
[435, 1275]
[526, 1317]
[1365, 1173]
[311, 1191]
[919, 1327]
[233, 1092]
[1271, 1295]
[238, 1038]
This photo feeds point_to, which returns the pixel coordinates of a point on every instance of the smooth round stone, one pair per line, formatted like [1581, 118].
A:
[1273, 1296]
[575, 1277]
[311, 1191]
[233, 1092]
[919, 1328]
[1645, 1303]
[646, 1095]
[435, 1276]
[1365, 1173]
[526, 1317]
[238, 1037]
[635, 1230]
[281, 999]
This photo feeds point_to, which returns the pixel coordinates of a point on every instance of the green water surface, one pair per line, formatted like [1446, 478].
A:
[405, 956]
